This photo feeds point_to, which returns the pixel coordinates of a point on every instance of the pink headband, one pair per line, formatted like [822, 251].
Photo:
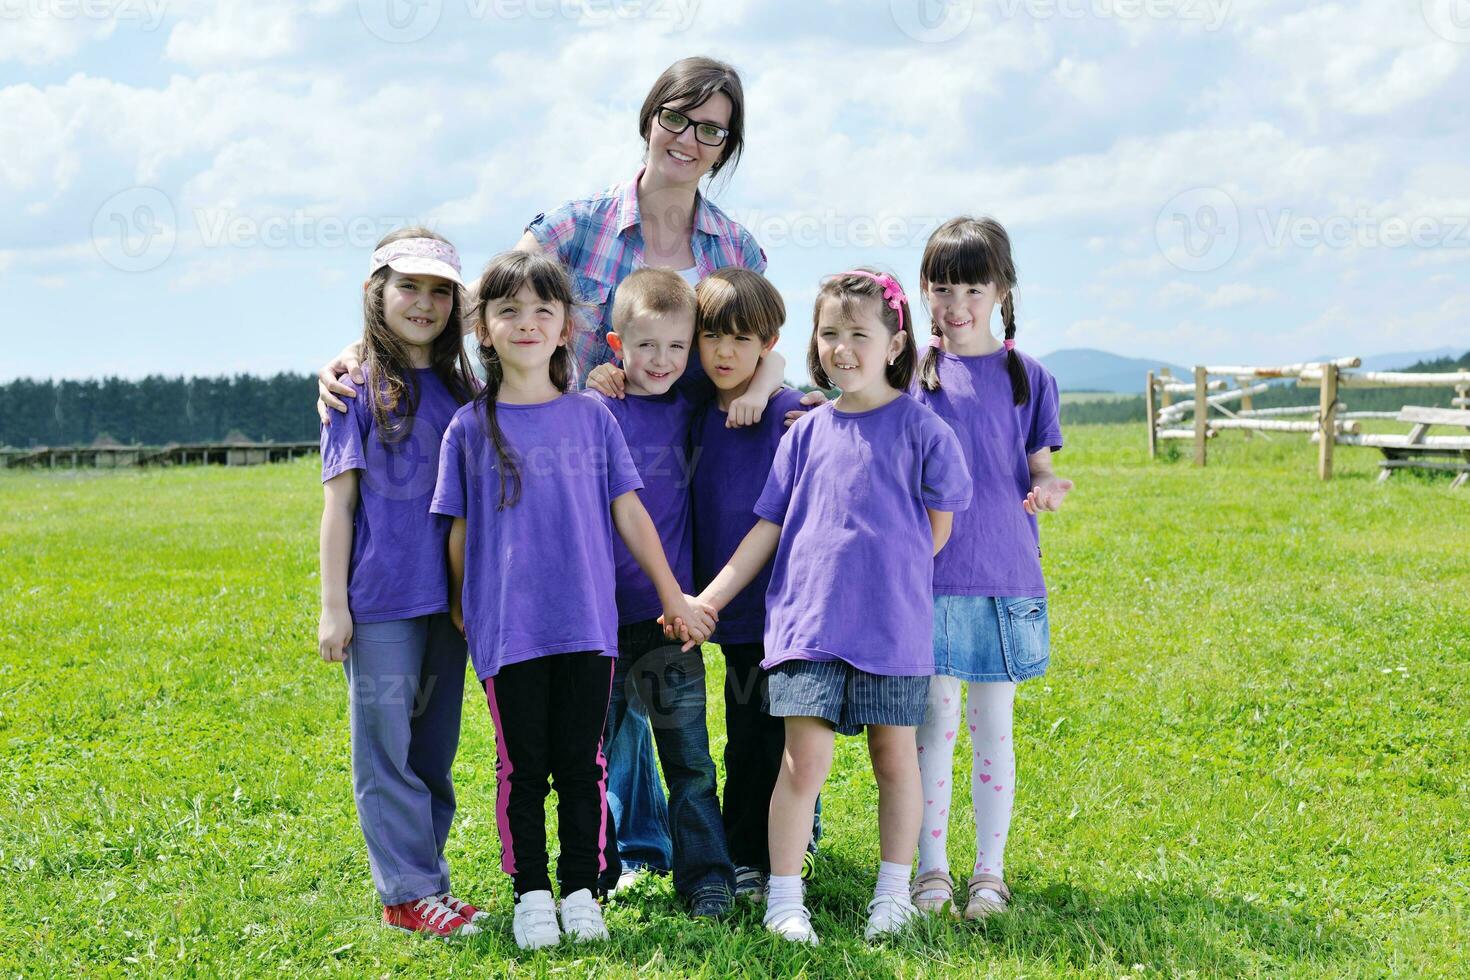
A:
[419, 256]
[892, 291]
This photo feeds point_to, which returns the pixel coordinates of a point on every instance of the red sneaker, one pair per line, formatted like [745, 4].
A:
[428, 916]
[470, 913]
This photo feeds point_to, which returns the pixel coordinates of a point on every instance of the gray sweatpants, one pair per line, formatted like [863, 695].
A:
[405, 688]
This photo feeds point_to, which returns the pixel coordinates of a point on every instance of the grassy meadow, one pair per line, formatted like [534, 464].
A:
[1251, 756]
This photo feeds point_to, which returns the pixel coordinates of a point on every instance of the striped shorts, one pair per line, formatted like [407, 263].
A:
[849, 698]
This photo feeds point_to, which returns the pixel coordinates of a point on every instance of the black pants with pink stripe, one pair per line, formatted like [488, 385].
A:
[548, 714]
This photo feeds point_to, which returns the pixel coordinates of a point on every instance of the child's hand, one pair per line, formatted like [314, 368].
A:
[1047, 495]
[691, 621]
[745, 410]
[608, 379]
[811, 399]
[456, 616]
[332, 381]
[333, 633]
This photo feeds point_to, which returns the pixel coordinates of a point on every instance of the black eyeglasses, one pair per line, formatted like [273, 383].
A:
[676, 122]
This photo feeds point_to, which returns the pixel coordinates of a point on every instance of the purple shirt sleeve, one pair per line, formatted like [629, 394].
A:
[776, 497]
[945, 479]
[1046, 425]
[622, 474]
[449, 492]
[342, 436]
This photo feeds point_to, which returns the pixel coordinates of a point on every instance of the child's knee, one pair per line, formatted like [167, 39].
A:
[894, 760]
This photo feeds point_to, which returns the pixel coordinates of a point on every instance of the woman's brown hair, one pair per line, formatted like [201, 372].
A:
[690, 82]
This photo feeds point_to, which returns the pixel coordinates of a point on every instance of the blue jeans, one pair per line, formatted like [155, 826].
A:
[666, 684]
[635, 797]
[405, 688]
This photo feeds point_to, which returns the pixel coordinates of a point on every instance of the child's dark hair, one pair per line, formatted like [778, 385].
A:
[974, 250]
[395, 392]
[850, 289]
[733, 301]
[503, 278]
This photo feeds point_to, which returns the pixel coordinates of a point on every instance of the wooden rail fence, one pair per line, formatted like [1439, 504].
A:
[114, 457]
[1328, 424]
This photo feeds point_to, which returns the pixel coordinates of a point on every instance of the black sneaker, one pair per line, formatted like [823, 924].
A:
[809, 862]
[750, 884]
[711, 902]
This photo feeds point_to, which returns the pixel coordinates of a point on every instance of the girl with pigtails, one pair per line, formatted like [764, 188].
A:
[990, 607]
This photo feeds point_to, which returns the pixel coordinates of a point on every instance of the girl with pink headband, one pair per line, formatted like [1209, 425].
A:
[860, 497]
[990, 607]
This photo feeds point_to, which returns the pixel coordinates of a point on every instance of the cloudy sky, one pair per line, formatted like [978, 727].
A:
[194, 187]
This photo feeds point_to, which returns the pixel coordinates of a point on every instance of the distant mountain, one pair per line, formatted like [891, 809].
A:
[1086, 369]
[1397, 362]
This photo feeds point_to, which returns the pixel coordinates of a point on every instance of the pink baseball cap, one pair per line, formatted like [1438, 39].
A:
[419, 257]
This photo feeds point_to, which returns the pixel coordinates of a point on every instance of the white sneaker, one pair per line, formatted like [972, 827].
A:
[629, 878]
[535, 921]
[791, 922]
[888, 914]
[581, 917]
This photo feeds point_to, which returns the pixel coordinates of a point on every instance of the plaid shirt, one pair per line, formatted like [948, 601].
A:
[600, 241]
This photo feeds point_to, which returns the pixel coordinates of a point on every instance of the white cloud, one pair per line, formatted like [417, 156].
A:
[234, 32]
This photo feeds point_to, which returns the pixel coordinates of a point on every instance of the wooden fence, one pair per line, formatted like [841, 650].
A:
[1328, 425]
[113, 457]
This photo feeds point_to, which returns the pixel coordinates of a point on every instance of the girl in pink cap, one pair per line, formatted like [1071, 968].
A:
[385, 583]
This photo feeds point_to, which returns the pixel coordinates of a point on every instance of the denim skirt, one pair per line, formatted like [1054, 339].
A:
[990, 638]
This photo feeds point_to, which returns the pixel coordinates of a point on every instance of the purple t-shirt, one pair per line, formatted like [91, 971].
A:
[656, 429]
[851, 577]
[538, 576]
[731, 467]
[995, 547]
[398, 567]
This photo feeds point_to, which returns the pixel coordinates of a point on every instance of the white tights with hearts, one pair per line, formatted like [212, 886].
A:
[992, 776]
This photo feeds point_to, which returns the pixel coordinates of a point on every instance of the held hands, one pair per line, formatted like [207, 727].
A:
[608, 379]
[1047, 494]
[333, 634]
[691, 620]
[331, 381]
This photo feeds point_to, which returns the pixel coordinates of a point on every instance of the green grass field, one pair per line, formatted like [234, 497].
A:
[1250, 756]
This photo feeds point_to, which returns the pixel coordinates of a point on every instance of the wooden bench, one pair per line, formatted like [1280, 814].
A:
[1419, 450]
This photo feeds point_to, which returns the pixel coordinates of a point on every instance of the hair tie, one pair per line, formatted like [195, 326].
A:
[937, 341]
[1010, 345]
[892, 291]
